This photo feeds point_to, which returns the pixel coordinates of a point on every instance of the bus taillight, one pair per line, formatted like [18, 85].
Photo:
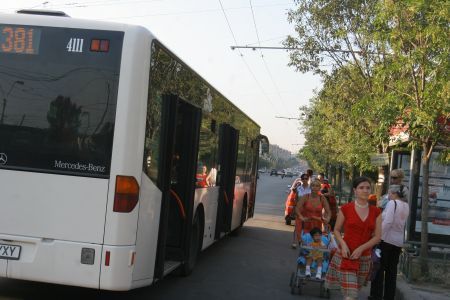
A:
[126, 195]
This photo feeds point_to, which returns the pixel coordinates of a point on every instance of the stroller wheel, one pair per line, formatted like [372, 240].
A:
[291, 282]
[293, 290]
[324, 292]
[295, 284]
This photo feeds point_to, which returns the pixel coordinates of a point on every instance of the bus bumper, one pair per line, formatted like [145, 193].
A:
[52, 261]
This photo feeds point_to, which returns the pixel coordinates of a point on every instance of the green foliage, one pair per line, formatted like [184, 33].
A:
[417, 34]
[378, 82]
[394, 71]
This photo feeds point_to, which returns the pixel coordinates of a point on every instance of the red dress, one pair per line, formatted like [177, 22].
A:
[201, 180]
[308, 211]
[357, 231]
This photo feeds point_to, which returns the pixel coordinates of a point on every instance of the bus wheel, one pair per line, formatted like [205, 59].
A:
[194, 247]
[244, 213]
[235, 232]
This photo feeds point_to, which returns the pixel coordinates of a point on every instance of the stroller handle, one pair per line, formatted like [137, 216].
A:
[326, 226]
[324, 250]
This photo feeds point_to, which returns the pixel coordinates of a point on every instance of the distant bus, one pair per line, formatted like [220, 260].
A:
[118, 163]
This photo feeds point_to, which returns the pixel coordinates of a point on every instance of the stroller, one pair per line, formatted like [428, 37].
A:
[298, 277]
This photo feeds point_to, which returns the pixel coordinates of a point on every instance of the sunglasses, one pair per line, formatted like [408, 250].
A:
[394, 177]
[304, 178]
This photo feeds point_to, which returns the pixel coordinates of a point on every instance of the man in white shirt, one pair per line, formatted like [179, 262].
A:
[302, 186]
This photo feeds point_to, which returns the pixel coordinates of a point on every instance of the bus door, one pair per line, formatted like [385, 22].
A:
[179, 146]
[228, 149]
[255, 174]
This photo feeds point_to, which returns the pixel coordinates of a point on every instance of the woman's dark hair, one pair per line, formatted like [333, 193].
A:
[315, 231]
[358, 180]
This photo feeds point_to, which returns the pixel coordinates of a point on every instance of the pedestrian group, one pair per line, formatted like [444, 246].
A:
[363, 229]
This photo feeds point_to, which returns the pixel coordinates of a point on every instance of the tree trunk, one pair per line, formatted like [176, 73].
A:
[381, 184]
[340, 180]
[424, 212]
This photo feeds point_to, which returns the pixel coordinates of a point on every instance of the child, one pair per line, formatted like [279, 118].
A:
[315, 254]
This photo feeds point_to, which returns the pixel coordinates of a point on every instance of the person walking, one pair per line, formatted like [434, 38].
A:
[350, 266]
[393, 224]
[329, 194]
[396, 178]
[302, 187]
[310, 207]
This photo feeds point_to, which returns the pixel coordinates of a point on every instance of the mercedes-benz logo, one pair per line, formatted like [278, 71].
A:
[3, 159]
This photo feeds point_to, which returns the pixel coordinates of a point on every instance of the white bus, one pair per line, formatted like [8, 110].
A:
[118, 163]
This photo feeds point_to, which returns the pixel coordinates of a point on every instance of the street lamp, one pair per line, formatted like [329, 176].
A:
[6, 97]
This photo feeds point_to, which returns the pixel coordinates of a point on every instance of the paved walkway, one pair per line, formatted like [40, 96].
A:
[409, 291]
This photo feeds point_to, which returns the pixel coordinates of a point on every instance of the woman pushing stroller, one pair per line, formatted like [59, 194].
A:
[309, 210]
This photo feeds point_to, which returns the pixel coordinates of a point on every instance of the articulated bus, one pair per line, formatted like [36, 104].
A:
[118, 163]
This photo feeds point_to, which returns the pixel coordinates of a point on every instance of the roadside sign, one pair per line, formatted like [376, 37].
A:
[381, 159]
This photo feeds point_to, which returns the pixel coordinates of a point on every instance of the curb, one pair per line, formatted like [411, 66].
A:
[406, 291]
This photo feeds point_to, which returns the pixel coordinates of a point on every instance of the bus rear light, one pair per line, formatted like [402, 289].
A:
[99, 45]
[107, 257]
[126, 195]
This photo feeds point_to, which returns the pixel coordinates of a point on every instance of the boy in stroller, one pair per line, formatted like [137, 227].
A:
[316, 249]
[315, 254]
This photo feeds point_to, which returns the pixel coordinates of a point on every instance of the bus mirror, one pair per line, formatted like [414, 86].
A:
[264, 148]
[264, 142]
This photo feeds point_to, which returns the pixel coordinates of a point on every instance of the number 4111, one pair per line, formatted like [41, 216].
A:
[75, 45]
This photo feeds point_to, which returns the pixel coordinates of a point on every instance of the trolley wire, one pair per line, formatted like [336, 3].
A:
[264, 60]
[244, 61]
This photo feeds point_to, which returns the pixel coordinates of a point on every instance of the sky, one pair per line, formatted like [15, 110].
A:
[201, 32]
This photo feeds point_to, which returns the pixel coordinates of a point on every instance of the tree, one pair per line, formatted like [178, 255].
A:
[417, 33]
[64, 121]
[335, 39]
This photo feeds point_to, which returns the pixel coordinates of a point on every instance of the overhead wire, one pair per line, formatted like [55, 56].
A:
[126, 2]
[243, 59]
[263, 59]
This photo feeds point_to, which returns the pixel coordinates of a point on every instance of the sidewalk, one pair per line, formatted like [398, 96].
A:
[416, 291]
[409, 291]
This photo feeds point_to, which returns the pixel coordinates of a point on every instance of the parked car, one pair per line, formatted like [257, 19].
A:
[273, 172]
[289, 174]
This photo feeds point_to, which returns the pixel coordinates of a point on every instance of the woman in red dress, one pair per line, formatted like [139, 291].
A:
[201, 178]
[361, 223]
[309, 209]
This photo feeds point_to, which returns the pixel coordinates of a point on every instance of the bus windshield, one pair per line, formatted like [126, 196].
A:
[58, 94]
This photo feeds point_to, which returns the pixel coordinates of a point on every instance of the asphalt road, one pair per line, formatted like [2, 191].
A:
[255, 264]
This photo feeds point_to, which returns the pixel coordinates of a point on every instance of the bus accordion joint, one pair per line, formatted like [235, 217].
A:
[126, 195]
[226, 197]
[179, 202]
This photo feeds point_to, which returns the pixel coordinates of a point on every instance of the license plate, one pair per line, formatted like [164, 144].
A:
[10, 251]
